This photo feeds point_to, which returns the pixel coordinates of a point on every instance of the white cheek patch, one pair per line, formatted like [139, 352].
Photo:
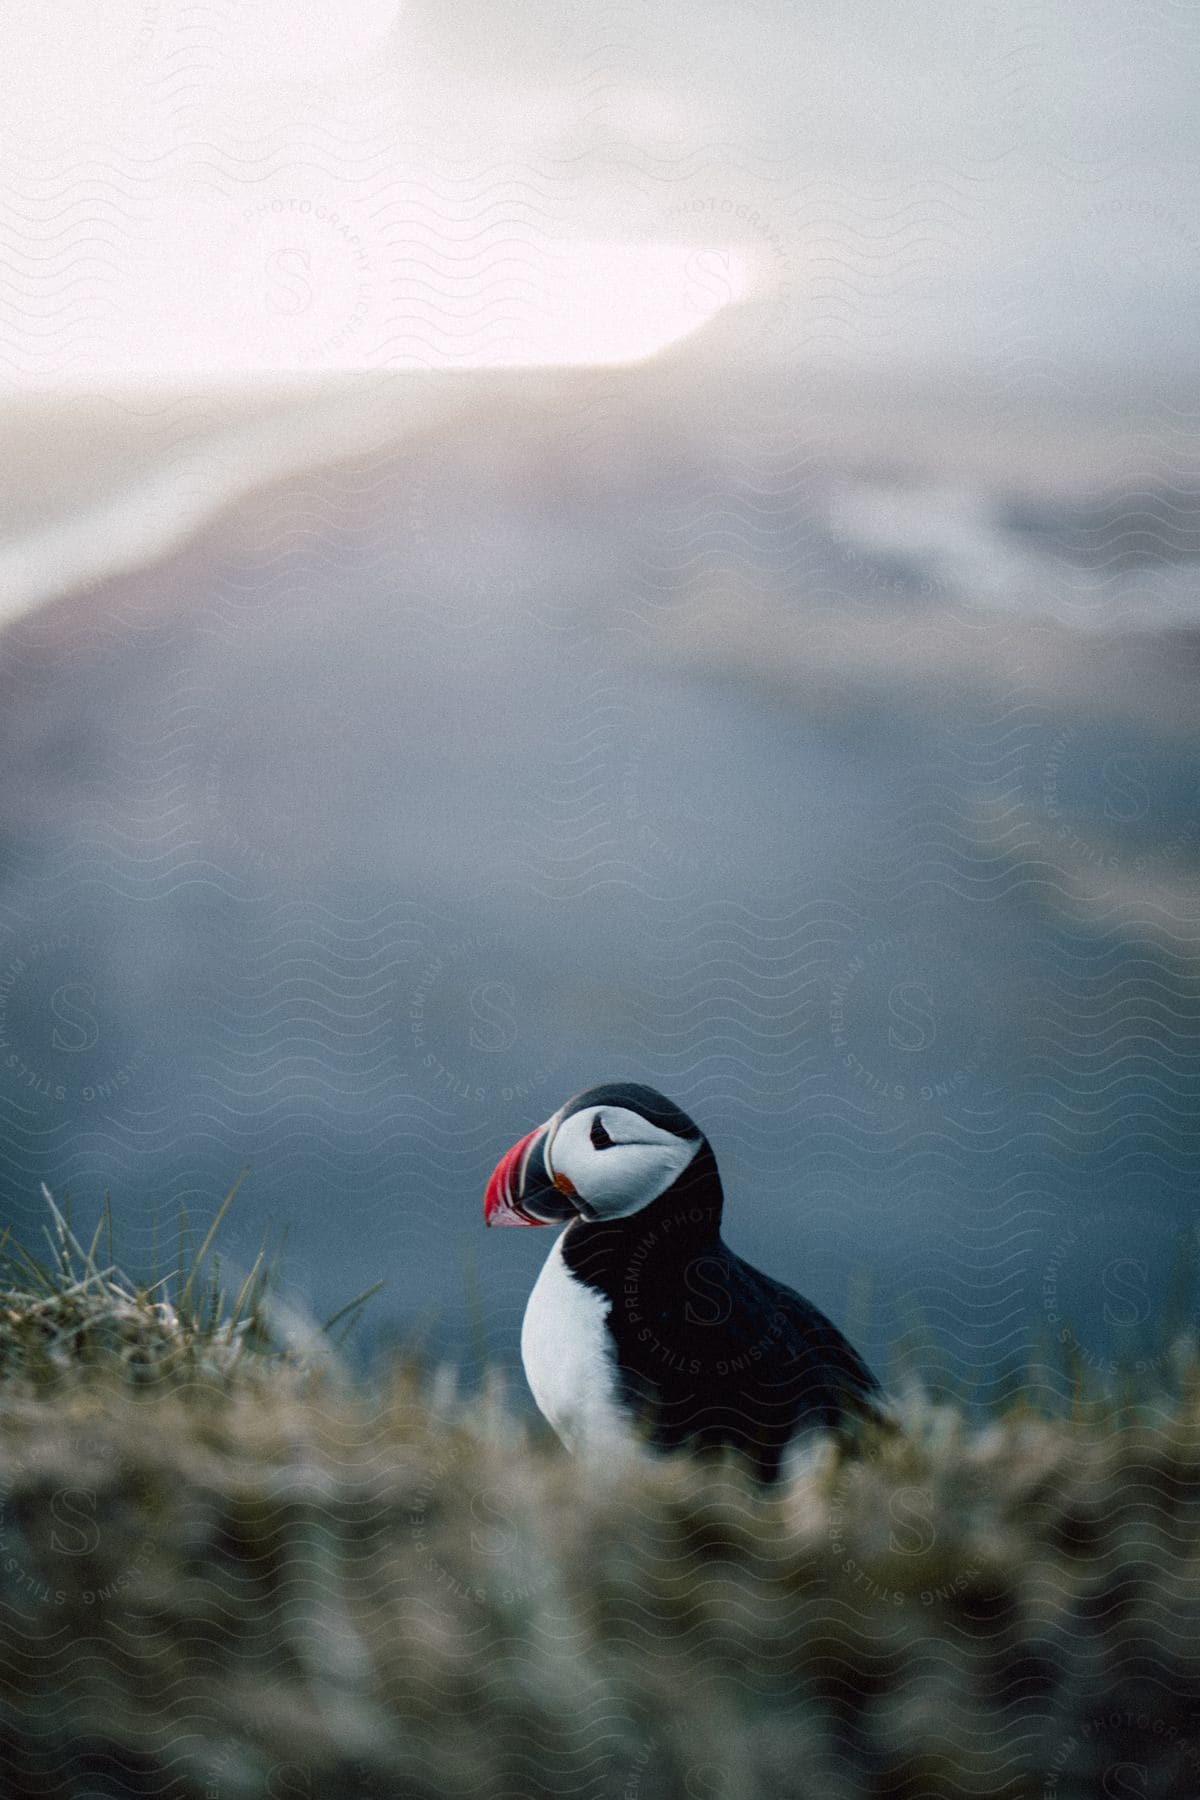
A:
[641, 1163]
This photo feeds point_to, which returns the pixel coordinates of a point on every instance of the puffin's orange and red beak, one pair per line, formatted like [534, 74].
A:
[522, 1191]
[501, 1205]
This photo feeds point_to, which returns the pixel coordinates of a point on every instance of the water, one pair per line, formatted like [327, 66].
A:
[618, 732]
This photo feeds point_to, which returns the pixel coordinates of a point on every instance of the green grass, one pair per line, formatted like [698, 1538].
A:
[230, 1569]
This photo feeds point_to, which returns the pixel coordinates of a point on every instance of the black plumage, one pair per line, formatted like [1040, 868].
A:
[709, 1350]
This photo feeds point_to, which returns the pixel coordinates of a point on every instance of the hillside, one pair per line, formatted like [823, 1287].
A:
[232, 1572]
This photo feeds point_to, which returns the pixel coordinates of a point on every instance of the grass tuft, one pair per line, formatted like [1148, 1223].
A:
[76, 1310]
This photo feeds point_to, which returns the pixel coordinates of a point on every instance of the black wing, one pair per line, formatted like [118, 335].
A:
[812, 1372]
[731, 1356]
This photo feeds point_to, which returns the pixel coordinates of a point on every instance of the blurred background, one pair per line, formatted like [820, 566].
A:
[546, 544]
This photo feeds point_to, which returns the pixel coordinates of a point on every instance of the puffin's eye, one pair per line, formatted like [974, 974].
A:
[600, 1138]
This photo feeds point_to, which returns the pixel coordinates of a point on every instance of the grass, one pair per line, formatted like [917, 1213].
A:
[232, 1571]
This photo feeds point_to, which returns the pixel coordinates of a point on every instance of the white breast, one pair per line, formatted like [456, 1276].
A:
[569, 1361]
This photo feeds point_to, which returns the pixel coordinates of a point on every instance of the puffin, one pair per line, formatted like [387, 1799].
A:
[643, 1324]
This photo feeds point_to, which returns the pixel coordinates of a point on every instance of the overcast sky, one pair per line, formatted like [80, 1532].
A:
[935, 183]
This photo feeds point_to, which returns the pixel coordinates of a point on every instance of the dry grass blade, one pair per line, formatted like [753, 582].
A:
[352, 1307]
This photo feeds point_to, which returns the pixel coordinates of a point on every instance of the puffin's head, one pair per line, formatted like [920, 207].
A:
[604, 1155]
